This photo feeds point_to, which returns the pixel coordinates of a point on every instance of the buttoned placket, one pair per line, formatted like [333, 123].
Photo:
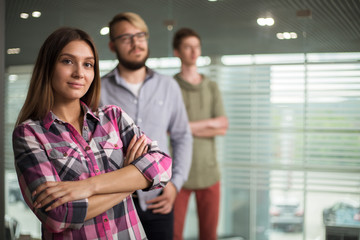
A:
[90, 157]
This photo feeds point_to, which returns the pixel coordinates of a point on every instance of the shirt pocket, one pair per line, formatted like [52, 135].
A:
[67, 162]
[161, 111]
[112, 154]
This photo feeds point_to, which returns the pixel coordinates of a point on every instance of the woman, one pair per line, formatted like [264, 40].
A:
[70, 154]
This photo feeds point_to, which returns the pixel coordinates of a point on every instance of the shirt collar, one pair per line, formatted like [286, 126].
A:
[121, 81]
[50, 118]
[189, 86]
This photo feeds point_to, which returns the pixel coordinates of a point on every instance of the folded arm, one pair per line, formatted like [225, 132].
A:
[101, 203]
[37, 174]
[209, 127]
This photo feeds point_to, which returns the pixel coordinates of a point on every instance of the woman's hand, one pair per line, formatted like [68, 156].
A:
[136, 148]
[61, 193]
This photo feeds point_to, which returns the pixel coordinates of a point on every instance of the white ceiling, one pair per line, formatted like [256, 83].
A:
[226, 26]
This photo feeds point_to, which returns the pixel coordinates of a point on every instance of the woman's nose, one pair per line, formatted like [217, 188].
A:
[78, 71]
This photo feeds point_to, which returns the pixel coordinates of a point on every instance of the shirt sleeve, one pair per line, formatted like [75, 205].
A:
[33, 168]
[155, 165]
[181, 139]
[218, 106]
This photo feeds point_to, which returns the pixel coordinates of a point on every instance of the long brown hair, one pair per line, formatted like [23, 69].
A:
[40, 97]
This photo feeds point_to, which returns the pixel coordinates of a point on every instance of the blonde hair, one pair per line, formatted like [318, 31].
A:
[132, 18]
[40, 97]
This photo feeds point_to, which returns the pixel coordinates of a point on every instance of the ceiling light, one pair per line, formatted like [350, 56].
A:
[270, 21]
[286, 35]
[36, 14]
[261, 21]
[13, 51]
[293, 35]
[212, 0]
[104, 31]
[24, 15]
[280, 36]
[265, 21]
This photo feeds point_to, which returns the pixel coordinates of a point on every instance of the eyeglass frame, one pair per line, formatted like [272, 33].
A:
[131, 36]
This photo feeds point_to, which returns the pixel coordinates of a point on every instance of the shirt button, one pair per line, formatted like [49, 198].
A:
[105, 220]
[65, 154]
[86, 128]
[139, 120]
[87, 148]
[97, 170]
[115, 145]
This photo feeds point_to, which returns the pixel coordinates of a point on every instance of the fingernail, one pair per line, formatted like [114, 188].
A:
[47, 209]
[33, 194]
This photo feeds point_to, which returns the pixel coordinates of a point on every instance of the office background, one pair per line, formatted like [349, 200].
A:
[291, 91]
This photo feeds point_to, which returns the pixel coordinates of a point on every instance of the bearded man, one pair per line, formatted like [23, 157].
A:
[155, 103]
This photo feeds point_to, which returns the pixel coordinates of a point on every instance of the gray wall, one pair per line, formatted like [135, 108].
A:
[2, 123]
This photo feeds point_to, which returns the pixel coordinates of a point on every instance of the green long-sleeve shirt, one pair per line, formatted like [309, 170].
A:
[202, 101]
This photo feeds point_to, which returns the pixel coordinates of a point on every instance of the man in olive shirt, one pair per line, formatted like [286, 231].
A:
[207, 118]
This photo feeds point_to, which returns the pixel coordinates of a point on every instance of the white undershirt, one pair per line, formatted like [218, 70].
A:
[134, 88]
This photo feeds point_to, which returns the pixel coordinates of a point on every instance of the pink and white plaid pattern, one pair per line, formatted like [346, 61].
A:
[52, 150]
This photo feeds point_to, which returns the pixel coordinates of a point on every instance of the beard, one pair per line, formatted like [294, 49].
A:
[131, 65]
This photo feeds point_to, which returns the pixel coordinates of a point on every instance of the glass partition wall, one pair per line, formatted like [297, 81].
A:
[290, 159]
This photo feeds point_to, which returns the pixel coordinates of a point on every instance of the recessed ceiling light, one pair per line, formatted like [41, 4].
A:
[104, 31]
[24, 15]
[265, 21]
[212, 0]
[13, 51]
[36, 14]
[293, 35]
[270, 21]
[261, 21]
[286, 35]
[280, 36]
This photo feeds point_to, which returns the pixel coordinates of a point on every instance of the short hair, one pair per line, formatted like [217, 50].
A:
[181, 34]
[132, 18]
[40, 97]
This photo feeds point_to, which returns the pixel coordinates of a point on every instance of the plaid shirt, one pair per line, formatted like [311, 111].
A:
[52, 150]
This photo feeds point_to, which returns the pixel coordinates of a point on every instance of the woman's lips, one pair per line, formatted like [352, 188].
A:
[76, 85]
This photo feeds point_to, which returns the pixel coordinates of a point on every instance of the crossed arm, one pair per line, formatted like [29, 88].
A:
[103, 191]
[209, 127]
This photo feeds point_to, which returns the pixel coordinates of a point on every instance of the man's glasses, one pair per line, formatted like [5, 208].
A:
[127, 38]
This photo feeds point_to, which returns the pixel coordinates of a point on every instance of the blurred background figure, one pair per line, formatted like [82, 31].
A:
[155, 103]
[207, 118]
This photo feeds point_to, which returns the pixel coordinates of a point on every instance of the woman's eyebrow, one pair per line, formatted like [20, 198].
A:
[74, 56]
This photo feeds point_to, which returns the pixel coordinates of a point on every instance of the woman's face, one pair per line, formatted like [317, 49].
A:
[74, 72]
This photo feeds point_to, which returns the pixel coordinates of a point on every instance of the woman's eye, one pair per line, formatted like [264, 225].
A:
[89, 65]
[66, 61]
